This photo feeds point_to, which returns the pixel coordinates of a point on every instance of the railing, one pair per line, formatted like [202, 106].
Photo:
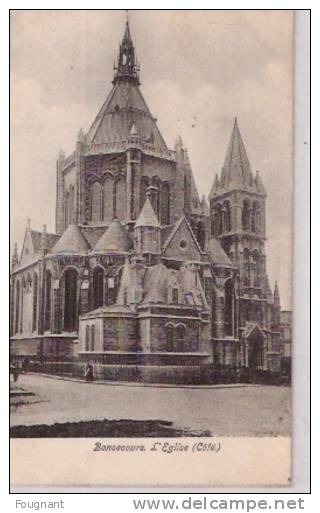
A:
[120, 146]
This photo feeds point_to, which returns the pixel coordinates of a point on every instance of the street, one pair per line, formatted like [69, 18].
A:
[243, 410]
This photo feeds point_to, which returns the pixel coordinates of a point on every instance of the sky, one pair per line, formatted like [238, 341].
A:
[199, 69]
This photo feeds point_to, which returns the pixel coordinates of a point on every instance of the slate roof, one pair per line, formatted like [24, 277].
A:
[92, 234]
[147, 216]
[115, 239]
[166, 232]
[52, 238]
[123, 108]
[236, 170]
[71, 242]
[217, 254]
[236, 163]
[155, 284]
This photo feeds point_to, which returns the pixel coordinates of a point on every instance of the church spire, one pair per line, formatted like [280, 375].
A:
[127, 66]
[236, 170]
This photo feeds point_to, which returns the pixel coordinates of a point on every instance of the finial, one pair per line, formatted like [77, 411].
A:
[61, 154]
[28, 223]
[43, 242]
[80, 135]
[179, 141]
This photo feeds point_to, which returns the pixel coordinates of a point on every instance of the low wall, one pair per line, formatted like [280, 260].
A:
[171, 374]
[144, 358]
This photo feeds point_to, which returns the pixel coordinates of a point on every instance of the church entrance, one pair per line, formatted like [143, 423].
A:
[255, 350]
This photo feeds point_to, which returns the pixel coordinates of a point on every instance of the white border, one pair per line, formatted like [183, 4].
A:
[301, 238]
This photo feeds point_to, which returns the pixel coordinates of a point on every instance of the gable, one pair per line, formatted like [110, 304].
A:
[182, 244]
[28, 252]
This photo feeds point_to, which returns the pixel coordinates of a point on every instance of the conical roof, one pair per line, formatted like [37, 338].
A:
[217, 253]
[123, 108]
[71, 242]
[125, 105]
[237, 166]
[114, 240]
[147, 216]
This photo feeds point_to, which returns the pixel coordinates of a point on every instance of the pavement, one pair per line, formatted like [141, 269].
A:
[243, 410]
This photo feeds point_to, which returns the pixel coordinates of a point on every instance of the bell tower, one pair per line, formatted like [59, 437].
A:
[237, 221]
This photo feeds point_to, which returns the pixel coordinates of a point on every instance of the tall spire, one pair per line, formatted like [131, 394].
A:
[276, 293]
[127, 67]
[236, 169]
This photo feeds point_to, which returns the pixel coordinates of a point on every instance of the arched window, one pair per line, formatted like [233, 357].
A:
[180, 338]
[246, 215]
[72, 205]
[144, 184]
[35, 302]
[246, 267]
[255, 268]
[256, 218]
[201, 234]
[120, 199]
[96, 202]
[229, 309]
[155, 200]
[217, 220]
[108, 199]
[47, 310]
[93, 334]
[66, 210]
[16, 328]
[165, 204]
[70, 300]
[227, 216]
[169, 337]
[98, 288]
[87, 346]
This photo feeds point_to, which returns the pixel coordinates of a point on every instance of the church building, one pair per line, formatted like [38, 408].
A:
[140, 269]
